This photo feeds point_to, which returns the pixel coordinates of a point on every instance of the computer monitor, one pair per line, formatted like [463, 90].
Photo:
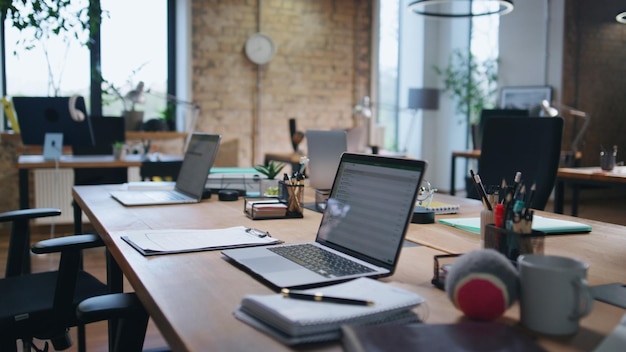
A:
[40, 115]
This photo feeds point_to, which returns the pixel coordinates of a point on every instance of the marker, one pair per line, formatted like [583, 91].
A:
[319, 297]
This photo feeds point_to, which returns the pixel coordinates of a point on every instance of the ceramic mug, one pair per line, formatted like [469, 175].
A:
[554, 293]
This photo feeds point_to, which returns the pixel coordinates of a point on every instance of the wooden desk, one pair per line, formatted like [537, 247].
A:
[580, 176]
[467, 154]
[191, 296]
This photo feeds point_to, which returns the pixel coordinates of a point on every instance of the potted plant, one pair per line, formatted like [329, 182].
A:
[269, 186]
[119, 150]
[472, 84]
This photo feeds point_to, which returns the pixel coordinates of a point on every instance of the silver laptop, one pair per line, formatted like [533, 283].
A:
[363, 227]
[191, 179]
[324, 149]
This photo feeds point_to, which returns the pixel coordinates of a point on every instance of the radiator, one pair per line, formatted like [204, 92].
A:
[53, 189]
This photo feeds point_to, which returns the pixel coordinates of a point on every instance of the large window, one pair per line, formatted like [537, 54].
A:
[133, 48]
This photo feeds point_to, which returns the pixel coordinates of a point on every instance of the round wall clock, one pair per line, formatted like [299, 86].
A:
[260, 48]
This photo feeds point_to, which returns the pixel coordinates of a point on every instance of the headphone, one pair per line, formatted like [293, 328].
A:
[76, 114]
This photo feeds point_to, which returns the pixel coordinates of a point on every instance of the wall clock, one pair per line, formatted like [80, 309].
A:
[260, 48]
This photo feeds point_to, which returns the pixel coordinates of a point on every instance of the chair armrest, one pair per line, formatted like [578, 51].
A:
[109, 306]
[74, 242]
[28, 214]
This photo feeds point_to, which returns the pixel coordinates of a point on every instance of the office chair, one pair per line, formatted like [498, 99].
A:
[131, 315]
[486, 114]
[530, 145]
[42, 305]
[107, 130]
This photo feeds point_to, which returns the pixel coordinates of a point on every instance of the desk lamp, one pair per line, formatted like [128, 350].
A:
[553, 112]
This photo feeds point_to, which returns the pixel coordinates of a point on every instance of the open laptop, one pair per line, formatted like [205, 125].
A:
[324, 149]
[365, 222]
[191, 179]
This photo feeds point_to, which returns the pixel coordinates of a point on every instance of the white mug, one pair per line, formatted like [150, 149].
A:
[554, 293]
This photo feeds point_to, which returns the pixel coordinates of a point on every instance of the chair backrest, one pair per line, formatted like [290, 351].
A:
[530, 145]
[487, 114]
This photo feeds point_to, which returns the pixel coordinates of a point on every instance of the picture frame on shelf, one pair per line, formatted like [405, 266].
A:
[525, 97]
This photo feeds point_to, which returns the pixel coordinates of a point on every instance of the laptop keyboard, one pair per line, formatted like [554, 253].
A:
[318, 260]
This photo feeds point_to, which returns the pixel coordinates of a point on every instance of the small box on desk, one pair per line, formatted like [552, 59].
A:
[258, 208]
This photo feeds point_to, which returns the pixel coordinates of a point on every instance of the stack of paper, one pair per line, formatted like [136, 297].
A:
[294, 321]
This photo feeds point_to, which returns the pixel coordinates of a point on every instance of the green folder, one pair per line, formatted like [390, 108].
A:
[547, 225]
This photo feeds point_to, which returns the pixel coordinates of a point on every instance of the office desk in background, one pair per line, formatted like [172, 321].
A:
[582, 176]
[26, 163]
[191, 297]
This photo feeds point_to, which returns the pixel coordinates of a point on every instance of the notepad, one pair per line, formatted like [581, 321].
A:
[296, 321]
[548, 225]
[154, 242]
[443, 208]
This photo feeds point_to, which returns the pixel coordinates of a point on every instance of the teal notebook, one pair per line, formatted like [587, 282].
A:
[547, 225]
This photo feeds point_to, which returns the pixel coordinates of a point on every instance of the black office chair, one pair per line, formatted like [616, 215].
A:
[107, 130]
[530, 145]
[42, 305]
[126, 307]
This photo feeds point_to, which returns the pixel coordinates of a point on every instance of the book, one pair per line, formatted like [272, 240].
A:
[548, 225]
[294, 321]
[154, 242]
[443, 208]
[463, 336]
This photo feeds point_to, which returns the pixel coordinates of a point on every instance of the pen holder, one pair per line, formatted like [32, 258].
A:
[486, 217]
[292, 194]
[511, 243]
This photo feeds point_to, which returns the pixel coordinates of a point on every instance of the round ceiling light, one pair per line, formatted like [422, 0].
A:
[621, 18]
[461, 8]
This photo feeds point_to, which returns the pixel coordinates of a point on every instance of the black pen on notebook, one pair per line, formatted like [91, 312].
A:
[319, 297]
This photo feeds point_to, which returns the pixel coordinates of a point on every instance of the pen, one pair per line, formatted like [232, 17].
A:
[319, 297]
[481, 191]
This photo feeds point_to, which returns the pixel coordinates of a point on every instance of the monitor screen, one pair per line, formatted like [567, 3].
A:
[40, 115]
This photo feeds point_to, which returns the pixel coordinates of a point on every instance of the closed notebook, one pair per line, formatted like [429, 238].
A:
[296, 317]
[464, 336]
[548, 225]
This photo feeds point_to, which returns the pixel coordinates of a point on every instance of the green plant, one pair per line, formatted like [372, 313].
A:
[271, 169]
[472, 84]
[118, 145]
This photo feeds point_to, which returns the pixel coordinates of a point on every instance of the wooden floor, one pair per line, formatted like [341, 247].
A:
[609, 208]
[94, 262]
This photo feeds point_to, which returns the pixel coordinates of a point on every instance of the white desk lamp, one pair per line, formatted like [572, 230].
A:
[552, 112]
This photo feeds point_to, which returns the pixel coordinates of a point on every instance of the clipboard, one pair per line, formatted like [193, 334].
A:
[157, 242]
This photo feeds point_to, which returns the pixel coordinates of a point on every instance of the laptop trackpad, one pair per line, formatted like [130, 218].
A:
[270, 264]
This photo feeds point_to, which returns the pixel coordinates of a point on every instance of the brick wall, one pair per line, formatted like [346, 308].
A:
[313, 76]
[594, 74]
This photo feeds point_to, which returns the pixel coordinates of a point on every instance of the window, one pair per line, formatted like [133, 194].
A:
[133, 47]
[133, 50]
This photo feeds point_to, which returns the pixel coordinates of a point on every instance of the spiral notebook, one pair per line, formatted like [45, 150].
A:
[295, 321]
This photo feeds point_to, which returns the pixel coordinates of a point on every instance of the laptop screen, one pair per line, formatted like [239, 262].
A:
[197, 162]
[370, 205]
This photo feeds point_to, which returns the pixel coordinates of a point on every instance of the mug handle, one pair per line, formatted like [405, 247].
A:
[582, 298]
